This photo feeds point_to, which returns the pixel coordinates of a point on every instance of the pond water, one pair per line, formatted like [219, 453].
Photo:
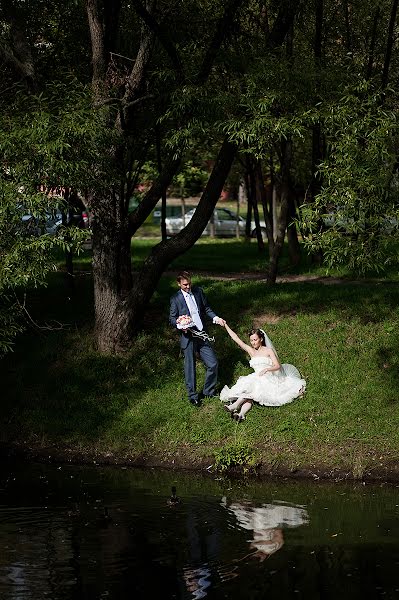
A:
[71, 532]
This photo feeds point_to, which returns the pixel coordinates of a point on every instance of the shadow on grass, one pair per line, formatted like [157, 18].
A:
[56, 386]
[68, 390]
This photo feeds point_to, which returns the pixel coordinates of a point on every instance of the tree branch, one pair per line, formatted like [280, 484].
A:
[168, 250]
[97, 45]
[136, 77]
[221, 31]
[161, 35]
[285, 18]
[149, 201]
[19, 56]
[57, 326]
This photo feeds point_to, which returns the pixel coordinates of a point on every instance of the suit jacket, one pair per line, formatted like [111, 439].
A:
[178, 307]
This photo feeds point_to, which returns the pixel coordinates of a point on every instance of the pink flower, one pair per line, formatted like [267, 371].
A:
[184, 321]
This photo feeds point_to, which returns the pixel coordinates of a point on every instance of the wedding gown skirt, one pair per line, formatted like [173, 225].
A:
[272, 389]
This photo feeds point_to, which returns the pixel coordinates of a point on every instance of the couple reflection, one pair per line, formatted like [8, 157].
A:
[266, 522]
[197, 580]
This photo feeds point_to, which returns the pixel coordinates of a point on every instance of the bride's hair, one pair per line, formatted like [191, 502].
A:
[260, 335]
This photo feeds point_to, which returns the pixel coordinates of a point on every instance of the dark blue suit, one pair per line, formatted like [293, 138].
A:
[191, 345]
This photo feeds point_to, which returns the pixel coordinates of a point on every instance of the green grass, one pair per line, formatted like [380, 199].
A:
[56, 390]
[230, 255]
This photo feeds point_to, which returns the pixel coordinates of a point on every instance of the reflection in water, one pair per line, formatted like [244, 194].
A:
[197, 581]
[266, 523]
[90, 533]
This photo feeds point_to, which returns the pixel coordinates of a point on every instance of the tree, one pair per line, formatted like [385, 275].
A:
[359, 196]
[24, 255]
[119, 301]
[240, 75]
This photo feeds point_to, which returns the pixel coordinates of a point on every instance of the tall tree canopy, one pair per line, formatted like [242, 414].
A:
[94, 89]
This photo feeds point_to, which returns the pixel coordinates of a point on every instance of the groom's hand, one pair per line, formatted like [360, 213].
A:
[220, 321]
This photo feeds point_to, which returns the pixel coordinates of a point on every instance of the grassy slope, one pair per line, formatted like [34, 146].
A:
[57, 390]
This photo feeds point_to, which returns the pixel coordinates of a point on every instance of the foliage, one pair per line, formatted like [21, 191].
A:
[237, 455]
[47, 141]
[257, 93]
[359, 197]
[25, 254]
[55, 138]
[190, 180]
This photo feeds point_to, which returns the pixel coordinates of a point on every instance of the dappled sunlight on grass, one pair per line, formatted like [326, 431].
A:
[58, 390]
[222, 256]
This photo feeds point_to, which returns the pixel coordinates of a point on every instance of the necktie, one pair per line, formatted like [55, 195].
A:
[194, 312]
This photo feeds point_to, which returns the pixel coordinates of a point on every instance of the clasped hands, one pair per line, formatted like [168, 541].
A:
[220, 321]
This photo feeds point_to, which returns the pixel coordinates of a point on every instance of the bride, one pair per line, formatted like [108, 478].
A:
[271, 383]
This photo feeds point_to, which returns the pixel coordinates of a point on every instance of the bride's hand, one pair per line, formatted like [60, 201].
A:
[220, 322]
[263, 372]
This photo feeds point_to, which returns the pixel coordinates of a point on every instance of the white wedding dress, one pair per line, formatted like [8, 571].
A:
[275, 388]
[267, 522]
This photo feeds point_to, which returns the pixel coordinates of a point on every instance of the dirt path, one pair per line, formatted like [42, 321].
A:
[303, 278]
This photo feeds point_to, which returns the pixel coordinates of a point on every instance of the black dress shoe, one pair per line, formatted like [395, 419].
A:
[195, 401]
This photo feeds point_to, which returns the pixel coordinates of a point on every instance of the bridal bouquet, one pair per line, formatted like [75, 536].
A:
[184, 321]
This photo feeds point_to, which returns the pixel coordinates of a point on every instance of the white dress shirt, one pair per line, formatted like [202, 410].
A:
[194, 312]
[193, 308]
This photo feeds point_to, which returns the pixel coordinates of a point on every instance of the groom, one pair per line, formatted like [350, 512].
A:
[192, 301]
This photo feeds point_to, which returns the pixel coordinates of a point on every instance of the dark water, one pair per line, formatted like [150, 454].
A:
[91, 533]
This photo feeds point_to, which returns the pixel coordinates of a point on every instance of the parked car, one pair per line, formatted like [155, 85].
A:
[337, 219]
[52, 221]
[225, 223]
[171, 211]
[35, 226]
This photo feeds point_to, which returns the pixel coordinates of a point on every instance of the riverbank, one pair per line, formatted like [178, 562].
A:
[378, 471]
[61, 399]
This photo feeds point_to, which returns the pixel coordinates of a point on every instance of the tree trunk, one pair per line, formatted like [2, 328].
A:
[238, 217]
[253, 197]
[275, 253]
[163, 199]
[112, 275]
[120, 302]
[267, 214]
[317, 154]
[369, 69]
[165, 252]
[249, 205]
[285, 189]
[390, 41]
[348, 27]
[274, 211]
[18, 55]
[294, 248]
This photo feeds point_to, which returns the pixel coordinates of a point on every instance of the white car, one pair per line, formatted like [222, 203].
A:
[224, 220]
